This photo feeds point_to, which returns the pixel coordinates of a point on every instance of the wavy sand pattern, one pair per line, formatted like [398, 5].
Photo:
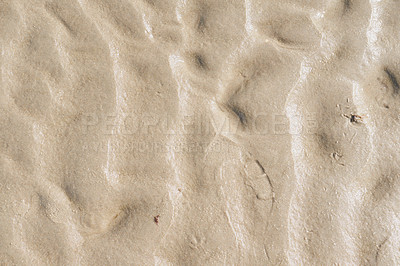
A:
[199, 132]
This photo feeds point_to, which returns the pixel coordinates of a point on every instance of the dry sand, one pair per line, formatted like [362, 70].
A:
[188, 132]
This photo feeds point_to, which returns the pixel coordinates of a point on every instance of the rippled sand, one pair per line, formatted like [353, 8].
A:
[188, 132]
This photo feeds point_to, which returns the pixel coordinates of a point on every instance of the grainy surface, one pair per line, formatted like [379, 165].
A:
[189, 132]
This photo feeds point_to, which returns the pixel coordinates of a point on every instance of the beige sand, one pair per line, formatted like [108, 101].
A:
[189, 132]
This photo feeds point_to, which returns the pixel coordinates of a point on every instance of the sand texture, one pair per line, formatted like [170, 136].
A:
[199, 132]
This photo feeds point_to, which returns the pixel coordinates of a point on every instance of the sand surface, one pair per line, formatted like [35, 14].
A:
[199, 132]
